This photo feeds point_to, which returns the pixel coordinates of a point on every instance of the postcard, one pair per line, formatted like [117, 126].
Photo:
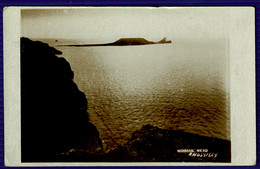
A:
[129, 86]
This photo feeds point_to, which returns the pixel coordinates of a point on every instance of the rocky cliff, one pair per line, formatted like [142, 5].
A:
[54, 115]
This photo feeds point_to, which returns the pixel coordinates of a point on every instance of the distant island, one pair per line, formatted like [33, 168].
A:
[126, 42]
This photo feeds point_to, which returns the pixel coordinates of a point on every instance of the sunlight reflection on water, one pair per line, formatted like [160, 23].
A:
[173, 86]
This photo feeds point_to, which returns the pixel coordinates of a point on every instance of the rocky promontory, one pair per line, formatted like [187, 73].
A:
[54, 115]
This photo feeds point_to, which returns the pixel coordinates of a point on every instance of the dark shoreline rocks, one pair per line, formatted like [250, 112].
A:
[152, 144]
[56, 128]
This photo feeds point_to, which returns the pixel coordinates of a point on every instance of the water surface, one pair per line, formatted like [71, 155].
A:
[182, 85]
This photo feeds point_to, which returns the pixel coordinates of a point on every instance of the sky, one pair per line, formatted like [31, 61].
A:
[110, 24]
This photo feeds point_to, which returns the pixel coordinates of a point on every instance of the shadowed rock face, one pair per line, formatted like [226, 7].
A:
[54, 115]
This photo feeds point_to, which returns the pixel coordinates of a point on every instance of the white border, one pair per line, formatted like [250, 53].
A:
[242, 91]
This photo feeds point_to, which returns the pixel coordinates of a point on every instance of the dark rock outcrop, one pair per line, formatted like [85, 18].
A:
[54, 115]
[152, 144]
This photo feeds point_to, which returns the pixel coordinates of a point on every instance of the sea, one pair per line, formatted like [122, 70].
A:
[183, 85]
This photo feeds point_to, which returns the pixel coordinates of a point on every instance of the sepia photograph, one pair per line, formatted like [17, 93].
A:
[125, 85]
